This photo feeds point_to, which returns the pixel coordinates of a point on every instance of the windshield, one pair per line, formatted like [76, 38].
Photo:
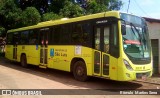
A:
[136, 41]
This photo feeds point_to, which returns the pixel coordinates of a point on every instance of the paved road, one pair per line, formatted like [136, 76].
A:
[13, 76]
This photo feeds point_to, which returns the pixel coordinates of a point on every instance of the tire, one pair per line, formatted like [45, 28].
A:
[80, 71]
[24, 61]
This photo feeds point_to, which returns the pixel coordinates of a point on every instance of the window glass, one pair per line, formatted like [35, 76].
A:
[77, 34]
[44, 35]
[51, 36]
[114, 27]
[24, 37]
[33, 37]
[114, 51]
[57, 33]
[106, 39]
[97, 39]
[81, 34]
[9, 38]
[16, 38]
[86, 34]
[65, 34]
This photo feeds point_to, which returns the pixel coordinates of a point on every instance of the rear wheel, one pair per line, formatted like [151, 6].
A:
[80, 71]
[24, 61]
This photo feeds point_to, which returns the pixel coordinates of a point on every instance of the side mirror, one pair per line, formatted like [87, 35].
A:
[123, 29]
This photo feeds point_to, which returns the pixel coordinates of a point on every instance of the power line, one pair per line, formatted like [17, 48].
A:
[128, 5]
[140, 8]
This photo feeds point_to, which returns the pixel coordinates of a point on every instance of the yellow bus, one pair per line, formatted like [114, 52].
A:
[111, 45]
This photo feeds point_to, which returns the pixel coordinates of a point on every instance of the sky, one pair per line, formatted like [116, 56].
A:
[143, 8]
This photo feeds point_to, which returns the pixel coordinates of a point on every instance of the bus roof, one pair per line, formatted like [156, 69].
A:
[67, 20]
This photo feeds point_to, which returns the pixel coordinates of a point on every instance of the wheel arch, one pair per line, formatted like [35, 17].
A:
[22, 55]
[23, 60]
[74, 60]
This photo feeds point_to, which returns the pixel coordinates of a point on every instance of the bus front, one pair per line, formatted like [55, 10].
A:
[136, 49]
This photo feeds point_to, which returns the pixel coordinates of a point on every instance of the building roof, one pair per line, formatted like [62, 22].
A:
[152, 19]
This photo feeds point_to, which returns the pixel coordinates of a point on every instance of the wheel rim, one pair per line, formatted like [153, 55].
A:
[80, 71]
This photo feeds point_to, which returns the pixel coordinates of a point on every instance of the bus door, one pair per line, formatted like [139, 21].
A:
[101, 56]
[15, 44]
[44, 47]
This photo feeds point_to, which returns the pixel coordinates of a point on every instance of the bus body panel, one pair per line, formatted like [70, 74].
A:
[113, 68]
[60, 56]
[9, 52]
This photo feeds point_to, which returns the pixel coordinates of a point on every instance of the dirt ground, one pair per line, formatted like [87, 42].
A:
[13, 76]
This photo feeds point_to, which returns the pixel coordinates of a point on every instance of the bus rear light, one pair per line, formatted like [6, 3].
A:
[128, 66]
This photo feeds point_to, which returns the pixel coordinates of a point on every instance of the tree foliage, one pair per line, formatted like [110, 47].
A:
[115, 5]
[31, 16]
[93, 7]
[56, 6]
[10, 14]
[50, 16]
[14, 17]
[2, 31]
[18, 13]
[40, 5]
[71, 10]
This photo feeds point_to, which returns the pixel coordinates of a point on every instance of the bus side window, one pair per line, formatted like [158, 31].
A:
[77, 34]
[24, 37]
[114, 51]
[65, 32]
[33, 39]
[86, 34]
[57, 33]
[51, 36]
[9, 38]
[16, 38]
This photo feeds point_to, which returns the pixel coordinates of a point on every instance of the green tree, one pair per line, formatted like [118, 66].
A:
[40, 5]
[2, 31]
[95, 7]
[31, 16]
[115, 4]
[10, 14]
[50, 16]
[56, 6]
[71, 10]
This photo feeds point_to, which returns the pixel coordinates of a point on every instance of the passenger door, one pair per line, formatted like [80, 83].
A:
[15, 45]
[107, 50]
[44, 47]
[101, 54]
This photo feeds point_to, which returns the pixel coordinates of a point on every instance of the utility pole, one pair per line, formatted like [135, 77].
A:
[128, 5]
